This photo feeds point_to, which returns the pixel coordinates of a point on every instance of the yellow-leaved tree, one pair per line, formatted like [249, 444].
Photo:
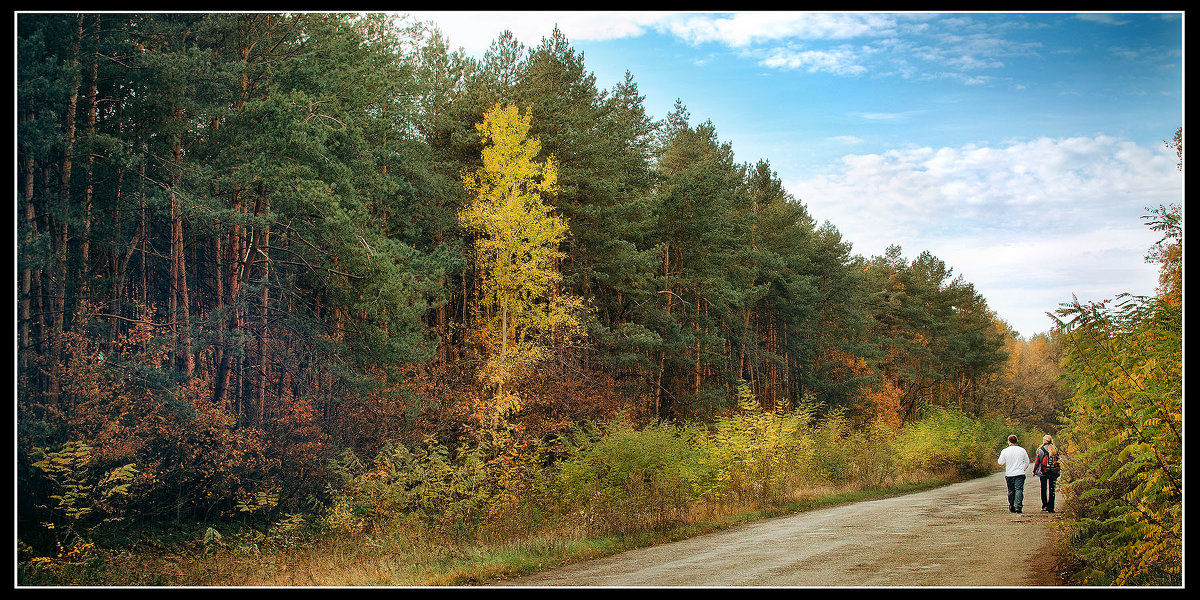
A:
[522, 314]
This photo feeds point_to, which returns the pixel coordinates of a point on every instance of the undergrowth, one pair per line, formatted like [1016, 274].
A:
[431, 515]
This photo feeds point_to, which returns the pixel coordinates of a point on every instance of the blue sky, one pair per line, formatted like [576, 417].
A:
[1020, 148]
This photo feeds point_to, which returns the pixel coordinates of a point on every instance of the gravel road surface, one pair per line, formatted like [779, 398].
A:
[959, 535]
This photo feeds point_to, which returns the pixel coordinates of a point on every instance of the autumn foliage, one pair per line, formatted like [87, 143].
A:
[304, 268]
[1124, 430]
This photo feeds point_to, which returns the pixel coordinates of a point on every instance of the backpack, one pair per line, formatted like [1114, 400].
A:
[1048, 462]
[1051, 463]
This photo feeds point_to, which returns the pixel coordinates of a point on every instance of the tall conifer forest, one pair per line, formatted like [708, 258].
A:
[254, 248]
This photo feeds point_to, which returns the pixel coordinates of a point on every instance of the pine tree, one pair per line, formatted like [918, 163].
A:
[704, 275]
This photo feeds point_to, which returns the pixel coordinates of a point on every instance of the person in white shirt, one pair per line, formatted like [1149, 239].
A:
[1015, 460]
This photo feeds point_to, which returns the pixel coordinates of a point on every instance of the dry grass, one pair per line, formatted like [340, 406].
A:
[405, 553]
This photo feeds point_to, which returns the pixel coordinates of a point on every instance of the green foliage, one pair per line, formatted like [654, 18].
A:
[1123, 467]
[936, 338]
[833, 440]
[456, 493]
[86, 496]
[874, 455]
[621, 479]
[762, 457]
[422, 482]
[756, 454]
[242, 256]
[948, 441]
[259, 501]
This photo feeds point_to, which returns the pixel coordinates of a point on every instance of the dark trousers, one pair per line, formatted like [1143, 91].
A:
[1016, 491]
[1048, 484]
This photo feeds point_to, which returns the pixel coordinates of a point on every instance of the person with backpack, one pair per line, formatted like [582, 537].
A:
[1015, 460]
[1046, 466]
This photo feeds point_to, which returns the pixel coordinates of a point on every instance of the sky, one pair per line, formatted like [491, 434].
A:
[1022, 149]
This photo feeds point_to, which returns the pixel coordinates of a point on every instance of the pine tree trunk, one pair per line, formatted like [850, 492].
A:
[85, 245]
[59, 300]
[696, 369]
[180, 306]
[238, 273]
[120, 264]
[144, 227]
[261, 381]
[662, 355]
[180, 319]
[27, 274]
[787, 366]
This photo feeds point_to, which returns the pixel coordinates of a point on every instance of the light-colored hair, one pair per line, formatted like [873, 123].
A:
[1049, 443]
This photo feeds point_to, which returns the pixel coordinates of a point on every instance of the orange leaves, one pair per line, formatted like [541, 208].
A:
[857, 364]
[884, 404]
[551, 399]
[881, 403]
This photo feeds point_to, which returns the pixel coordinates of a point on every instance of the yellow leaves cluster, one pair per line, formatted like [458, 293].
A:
[517, 249]
[756, 453]
[509, 158]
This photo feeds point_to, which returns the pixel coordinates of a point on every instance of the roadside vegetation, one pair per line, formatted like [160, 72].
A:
[427, 516]
[1123, 430]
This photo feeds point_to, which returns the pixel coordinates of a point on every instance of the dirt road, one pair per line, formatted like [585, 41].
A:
[959, 535]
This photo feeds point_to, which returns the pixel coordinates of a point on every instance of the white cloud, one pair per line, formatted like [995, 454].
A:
[1102, 18]
[474, 31]
[1029, 222]
[1023, 277]
[965, 79]
[840, 61]
[813, 41]
[895, 116]
[951, 47]
[746, 28]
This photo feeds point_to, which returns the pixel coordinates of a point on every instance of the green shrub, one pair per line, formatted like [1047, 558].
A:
[1123, 441]
[950, 442]
[755, 454]
[88, 494]
[452, 493]
[874, 453]
[833, 457]
[618, 478]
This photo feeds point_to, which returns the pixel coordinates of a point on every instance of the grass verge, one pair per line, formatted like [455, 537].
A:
[404, 554]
